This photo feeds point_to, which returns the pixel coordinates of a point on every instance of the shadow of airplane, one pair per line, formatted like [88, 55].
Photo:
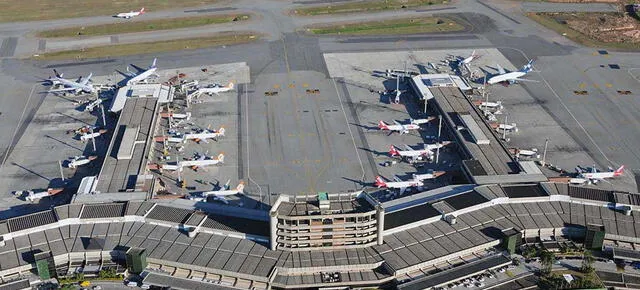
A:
[378, 153]
[31, 171]
[359, 182]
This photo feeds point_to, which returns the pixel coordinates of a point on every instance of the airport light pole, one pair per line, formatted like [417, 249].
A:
[93, 139]
[439, 142]
[504, 127]
[104, 120]
[61, 172]
[544, 153]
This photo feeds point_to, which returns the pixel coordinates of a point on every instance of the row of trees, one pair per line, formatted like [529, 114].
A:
[550, 280]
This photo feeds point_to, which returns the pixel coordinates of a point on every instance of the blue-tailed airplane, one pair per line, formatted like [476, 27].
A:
[511, 77]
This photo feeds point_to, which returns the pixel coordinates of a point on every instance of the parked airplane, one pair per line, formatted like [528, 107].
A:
[219, 195]
[594, 176]
[413, 154]
[508, 127]
[32, 196]
[88, 136]
[216, 89]
[399, 184]
[511, 77]
[469, 59]
[201, 161]
[130, 14]
[422, 121]
[489, 105]
[80, 160]
[81, 85]
[430, 175]
[92, 105]
[401, 128]
[142, 75]
[204, 135]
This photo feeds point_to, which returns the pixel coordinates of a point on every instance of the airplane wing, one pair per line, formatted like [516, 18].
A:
[402, 190]
[407, 147]
[221, 199]
[500, 69]
[396, 178]
[525, 80]
[397, 123]
[87, 79]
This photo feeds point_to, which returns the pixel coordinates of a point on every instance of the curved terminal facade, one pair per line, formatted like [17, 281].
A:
[362, 243]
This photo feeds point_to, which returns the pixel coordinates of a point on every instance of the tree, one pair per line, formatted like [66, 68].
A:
[587, 262]
[546, 260]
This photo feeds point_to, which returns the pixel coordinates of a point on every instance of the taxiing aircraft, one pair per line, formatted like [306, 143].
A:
[422, 121]
[219, 195]
[401, 128]
[507, 78]
[201, 161]
[594, 176]
[81, 85]
[216, 89]
[398, 184]
[130, 14]
[142, 75]
[88, 136]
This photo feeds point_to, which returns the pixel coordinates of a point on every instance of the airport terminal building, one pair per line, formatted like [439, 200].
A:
[352, 241]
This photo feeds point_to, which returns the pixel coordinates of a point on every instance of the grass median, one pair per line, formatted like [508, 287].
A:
[556, 24]
[150, 47]
[393, 26]
[366, 6]
[33, 10]
[142, 26]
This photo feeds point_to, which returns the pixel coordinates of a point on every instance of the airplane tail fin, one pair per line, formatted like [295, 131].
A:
[221, 157]
[226, 185]
[473, 53]
[57, 73]
[393, 151]
[619, 171]
[142, 10]
[230, 85]
[382, 125]
[221, 131]
[153, 64]
[240, 187]
[379, 182]
[527, 67]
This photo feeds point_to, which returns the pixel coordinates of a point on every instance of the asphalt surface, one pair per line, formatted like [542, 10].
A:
[602, 123]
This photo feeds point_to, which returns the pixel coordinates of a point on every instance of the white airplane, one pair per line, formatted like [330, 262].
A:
[502, 127]
[399, 184]
[469, 59]
[32, 196]
[216, 89]
[594, 176]
[430, 175]
[80, 160]
[202, 161]
[88, 136]
[81, 85]
[401, 128]
[143, 75]
[205, 134]
[490, 105]
[413, 154]
[511, 77]
[533, 153]
[130, 14]
[220, 194]
[92, 105]
[422, 121]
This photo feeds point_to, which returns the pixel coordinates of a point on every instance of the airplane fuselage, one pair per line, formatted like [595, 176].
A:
[507, 77]
[142, 76]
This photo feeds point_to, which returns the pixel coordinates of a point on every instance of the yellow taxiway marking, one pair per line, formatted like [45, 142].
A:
[276, 86]
[608, 85]
[595, 53]
[596, 86]
[582, 85]
[305, 85]
[291, 86]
